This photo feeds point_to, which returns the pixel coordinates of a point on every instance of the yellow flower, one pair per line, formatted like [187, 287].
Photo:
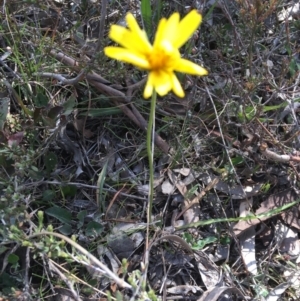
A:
[163, 57]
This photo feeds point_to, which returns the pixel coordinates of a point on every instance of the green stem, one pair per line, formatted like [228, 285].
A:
[150, 151]
[90, 256]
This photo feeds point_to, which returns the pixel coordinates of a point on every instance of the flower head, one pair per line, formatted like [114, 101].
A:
[163, 57]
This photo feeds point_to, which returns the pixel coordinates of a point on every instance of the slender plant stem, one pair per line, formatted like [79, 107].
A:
[90, 256]
[150, 151]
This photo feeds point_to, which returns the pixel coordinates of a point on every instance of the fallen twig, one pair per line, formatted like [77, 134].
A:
[118, 97]
[271, 155]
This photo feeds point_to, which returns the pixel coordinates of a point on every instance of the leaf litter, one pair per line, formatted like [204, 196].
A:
[226, 213]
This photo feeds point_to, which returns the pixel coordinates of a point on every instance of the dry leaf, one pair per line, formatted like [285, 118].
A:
[183, 289]
[287, 239]
[15, 139]
[272, 202]
[209, 272]
[167, 187]
[213, 294]
[183, 171]
[247, 241]
[235, 192]
[276, 293]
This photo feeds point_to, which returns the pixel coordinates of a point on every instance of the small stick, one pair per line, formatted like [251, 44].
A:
[199, 197]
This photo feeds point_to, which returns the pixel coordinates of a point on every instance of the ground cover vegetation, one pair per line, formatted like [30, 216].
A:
[95, 205]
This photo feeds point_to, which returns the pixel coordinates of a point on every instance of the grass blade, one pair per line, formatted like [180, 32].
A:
[100, 193]
[147, 16]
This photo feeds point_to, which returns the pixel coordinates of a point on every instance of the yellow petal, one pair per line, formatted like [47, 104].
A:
[167, 30]
[176, 86]
[129, 39]
[127, 56]
[161, 81]
[140, 35]
[132, 23]
[148, 88]
[186, 28]
[118, 33]
[159, 32]
[186, 66]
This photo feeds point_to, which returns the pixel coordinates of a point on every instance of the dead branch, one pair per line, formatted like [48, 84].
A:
[117, 97]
